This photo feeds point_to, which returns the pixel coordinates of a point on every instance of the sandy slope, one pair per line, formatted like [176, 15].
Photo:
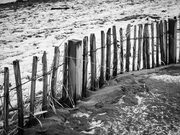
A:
[141, 103]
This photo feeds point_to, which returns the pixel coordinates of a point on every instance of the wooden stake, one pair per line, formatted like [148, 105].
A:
[162, 47]
[101, 78]
[93, 61]
[146, 53]
[115, 60]
[165, 40]
[45, 82]
[139, 46]
[134, 49]
[85, 66]
[121, 51]
[17, 75]
[65, 73]
[54, 72]
[74, 70]
[172, 53]
[108, 54]
[128, 47]
[175, 38]
[33, 86]
[6, 101]
[152, 44]
[157, 44]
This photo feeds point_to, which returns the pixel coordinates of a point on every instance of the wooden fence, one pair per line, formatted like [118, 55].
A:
[152, 45]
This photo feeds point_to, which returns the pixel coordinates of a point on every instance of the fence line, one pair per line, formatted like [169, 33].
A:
[76, 60]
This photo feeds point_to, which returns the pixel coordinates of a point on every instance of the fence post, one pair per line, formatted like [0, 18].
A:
[6, 101]
[165, 40]
[139, 46]
[74, 70]
[17, 75]
[33, 86]
[172, 53]
[101, 78]
[157, 44]
[146, 53]
[115, 60]
[85, 66]
[179, 39]
[175, 38]
[54, 72]
[108, 54]
[121, 50]
[93, 61]
[45, 82]
[134, 49]
[65, 73]
[128, 47]
[162, 46]
[152, 44]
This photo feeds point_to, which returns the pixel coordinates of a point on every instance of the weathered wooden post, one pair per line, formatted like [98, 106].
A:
[6, 101]
[45, 82]
[152, 44]
[54, 72]
[146, 53]
[115, 60]
[172, 47]
[93, 62]
[162, 45]
[157, 44]
[165, 41]
[85, 66]
[128, 47]
[65, 73]
[101, 78]
[33, 86]
[179, 38]
[75, 70]
[139, 46]
[17, 75]
[121, 51]
[134, 49]
[108, 54]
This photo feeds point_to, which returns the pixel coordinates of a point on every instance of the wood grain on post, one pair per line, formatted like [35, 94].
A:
[115, 60]
[146, 52]
[121, 51]
[54, 72]
[152, 44]
[17, 75]
[139, 46]
[75, 70]
[85, 66]
[45, 82]
[79, 69]
[33, 86]
[162, 47]
[65, 73]
[171, 28]
[6, 101]
[101, 78]
[157, 44]
[128, 47]
[108, 54]
[134, 49]
[93, 61]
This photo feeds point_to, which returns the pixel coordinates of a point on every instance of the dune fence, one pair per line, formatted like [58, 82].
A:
[88, 67]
